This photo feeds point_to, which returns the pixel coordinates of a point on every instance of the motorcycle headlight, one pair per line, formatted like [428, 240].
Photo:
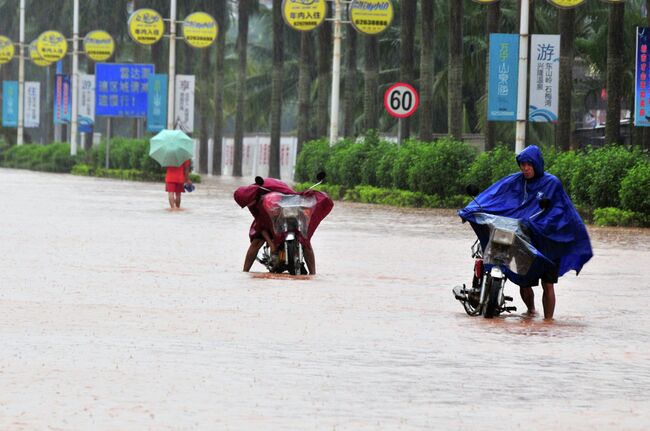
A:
[504, 237]
[290, 212]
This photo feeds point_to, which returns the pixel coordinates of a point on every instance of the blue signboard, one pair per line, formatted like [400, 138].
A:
[504, 73]
[10, 103]
[121, 89]
[642, 78]
[157, 103]
[62, 113]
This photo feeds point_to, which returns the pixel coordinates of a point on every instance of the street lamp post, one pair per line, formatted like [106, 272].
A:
[336, 74]
[21, 75]
[522, 91]
[75, 80]
[172, 65]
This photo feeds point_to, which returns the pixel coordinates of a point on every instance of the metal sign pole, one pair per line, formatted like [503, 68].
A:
[21, 75]
[522, 92]
[336, 74]
[75, 80]
[172, 65]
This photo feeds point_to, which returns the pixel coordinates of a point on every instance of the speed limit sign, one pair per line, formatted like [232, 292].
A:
[401, 100]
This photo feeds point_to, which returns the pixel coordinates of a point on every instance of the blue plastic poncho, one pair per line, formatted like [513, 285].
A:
[557, 232]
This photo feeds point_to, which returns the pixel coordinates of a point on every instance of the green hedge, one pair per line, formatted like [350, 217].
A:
[50, 158]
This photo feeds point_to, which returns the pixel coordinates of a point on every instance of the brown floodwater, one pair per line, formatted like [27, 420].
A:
[117, 313]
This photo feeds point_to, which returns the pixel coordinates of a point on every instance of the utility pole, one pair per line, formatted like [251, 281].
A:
[21, 75]
[522, 92]
[336, 74]
[74, 124]
[171, 96]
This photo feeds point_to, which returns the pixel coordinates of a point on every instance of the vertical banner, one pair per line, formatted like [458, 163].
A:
[184, 103]
[642, 78]
[504, 73]
[62, 101]
[544, 77]
[157, 103]
[32, 104]
[86, 109]
[10, 103]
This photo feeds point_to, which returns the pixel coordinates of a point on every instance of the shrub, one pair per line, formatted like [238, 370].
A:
[406, 156]
[491, 166]
[312, 159]
[564, 167]
[635, 188]
[618, 217]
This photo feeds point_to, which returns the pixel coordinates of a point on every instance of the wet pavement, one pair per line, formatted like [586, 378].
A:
[117, 313]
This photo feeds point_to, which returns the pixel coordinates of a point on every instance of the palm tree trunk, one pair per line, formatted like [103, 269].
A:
[350, 82]
[567, 36]
[491, 26]
[304, 84]
[455, 74]
[204, 109]
[426, 70]
[242, 42]
[615, 47]
[371, 83]
[220, 8]
[324, 66]
[276, 89]
[407, 54]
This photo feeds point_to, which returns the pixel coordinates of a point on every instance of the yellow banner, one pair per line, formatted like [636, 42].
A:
[200, 30]
[566, 3]
[99, 45]
[6, 49]
[36, 57]
[51, 46]
[371, 16]
[146, 26]
[304, 15]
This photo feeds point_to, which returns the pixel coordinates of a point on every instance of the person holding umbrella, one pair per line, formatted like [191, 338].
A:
[173, 149]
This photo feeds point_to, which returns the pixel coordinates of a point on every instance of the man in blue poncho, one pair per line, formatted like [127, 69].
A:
[558, 232]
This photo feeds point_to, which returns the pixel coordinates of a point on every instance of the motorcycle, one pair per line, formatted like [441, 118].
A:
[291, 216]
[508, 252]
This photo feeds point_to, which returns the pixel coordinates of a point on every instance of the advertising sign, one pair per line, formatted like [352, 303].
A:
[32, 104]
[10, 103]
[157, 103]
[146, 26]
[36, 57]
[401, 100]
[86, 108]
[566, 4]
[371, 16]
[304, 15]
[199, 30]
[544, 77]
[6, 49]
[62, 99]
[99, 45]
[51, 45]
[504, 72]
[121, 89]
[184, 103]
[642, 78]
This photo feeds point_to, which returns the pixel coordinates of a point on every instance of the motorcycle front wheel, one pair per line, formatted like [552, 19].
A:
[293, 254]
[494, 295]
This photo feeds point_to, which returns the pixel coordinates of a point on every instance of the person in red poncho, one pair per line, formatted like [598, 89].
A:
[261, 229]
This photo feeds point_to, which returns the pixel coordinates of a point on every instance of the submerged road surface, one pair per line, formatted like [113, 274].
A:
[116, 313]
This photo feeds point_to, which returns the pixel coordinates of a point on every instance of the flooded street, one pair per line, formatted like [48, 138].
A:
[117, 313]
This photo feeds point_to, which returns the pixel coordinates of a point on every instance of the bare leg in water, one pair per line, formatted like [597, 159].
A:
[548, 299]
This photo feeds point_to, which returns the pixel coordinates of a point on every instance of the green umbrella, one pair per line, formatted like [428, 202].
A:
[171, 147]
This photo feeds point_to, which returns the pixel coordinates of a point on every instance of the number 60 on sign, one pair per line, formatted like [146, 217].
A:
[401, 100]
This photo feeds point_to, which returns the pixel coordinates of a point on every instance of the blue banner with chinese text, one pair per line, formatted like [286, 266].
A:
[121, 89]
[642, 78]
[10, 103]
[157, 103]
[504, 73]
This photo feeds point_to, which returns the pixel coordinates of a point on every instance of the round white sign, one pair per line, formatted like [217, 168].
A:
[401, 100]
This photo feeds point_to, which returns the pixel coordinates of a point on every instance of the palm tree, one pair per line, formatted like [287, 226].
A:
[371, 83]
[350, 81]
[566, 24]
[407, 53]
[276, 91]
[324, 66]
[304, 84]
[491, 26]
[426, 70]
[242, 43]
[455, 75]
[221, 15]
[615, 48]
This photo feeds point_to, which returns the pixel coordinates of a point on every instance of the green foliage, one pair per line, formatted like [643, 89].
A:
[400, 198]
[334, 191]
[312, 159]
[598, 174]
[563, 167]
[439, 167]
[491, 166]
[635, 188]
[618, 217]
[50, 158]
[406, 156]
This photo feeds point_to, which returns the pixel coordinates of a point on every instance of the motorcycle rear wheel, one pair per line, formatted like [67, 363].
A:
[492, 305]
